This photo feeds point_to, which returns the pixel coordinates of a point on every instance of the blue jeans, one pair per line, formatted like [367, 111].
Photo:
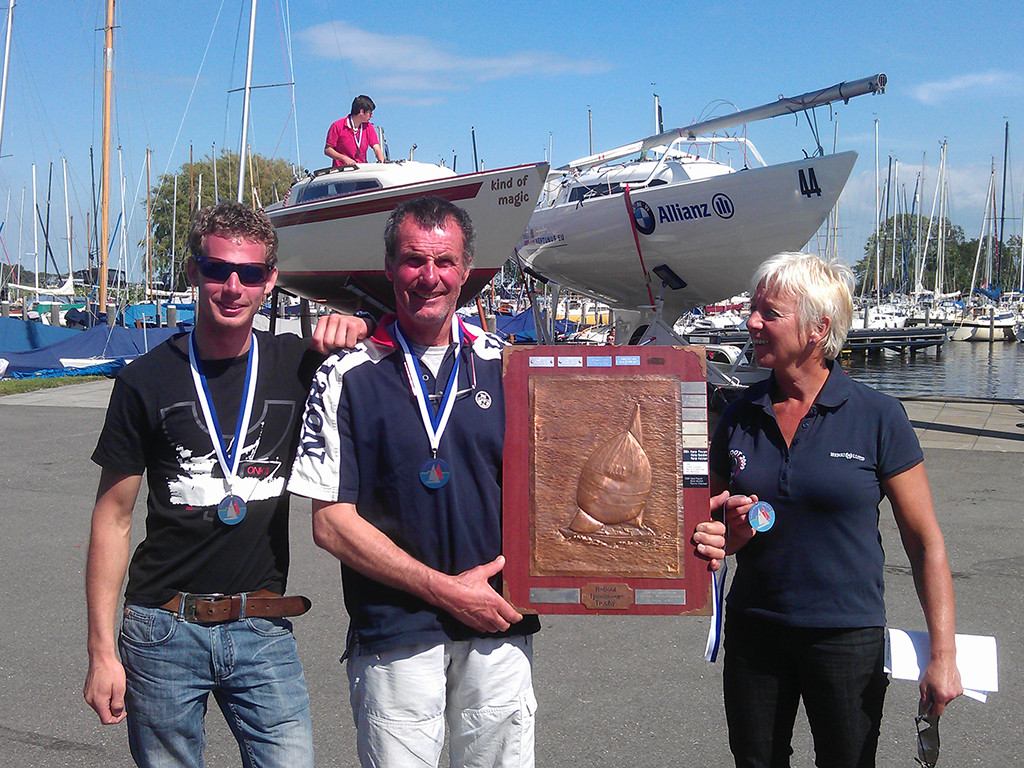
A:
[838, 673]
[252, 668]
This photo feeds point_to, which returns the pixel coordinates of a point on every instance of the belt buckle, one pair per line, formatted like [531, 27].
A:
[188, 608]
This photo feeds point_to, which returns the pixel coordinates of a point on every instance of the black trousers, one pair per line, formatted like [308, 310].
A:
[837, 672]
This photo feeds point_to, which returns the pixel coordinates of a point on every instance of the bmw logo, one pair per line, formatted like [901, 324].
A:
[644, 217]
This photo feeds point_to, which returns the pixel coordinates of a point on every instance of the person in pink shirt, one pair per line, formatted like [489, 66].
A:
[349, 138]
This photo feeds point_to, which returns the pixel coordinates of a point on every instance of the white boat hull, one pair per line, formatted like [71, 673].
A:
[711, 232]
[981, 330]
[332, 250]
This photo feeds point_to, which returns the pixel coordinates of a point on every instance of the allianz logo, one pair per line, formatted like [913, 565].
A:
[720, 206]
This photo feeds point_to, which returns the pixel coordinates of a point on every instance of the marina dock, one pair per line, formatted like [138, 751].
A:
[858, 341]
[612, 691]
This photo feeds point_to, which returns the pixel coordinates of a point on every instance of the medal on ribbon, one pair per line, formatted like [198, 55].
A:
[434, 473]
[761, 516]
[231, 509]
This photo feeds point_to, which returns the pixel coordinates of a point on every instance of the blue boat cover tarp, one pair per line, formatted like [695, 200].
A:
[102, 342]
[522, 326]
[990, 293]
[147, 313]
[20, 336]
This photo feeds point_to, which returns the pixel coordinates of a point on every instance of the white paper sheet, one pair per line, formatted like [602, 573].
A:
[906, 656]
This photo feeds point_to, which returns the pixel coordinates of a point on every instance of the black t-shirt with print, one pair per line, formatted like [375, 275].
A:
[155, 425]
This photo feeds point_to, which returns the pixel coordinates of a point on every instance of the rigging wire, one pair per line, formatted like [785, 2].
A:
[291, 78]
[195, 83]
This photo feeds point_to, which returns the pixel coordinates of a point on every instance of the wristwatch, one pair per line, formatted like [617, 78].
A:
[370, 320]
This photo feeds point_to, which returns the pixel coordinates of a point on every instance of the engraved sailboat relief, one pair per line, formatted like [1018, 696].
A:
[612, 490]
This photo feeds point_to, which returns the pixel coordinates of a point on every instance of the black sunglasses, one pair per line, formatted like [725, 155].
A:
[927, 738]
[251, 274]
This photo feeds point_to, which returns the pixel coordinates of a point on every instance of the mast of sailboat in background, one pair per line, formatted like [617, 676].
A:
[35, 234]
[940, 270]
[67, 216]
[1001, 235]
[919, 204]
[245, 105]
[174, 233]
[878, 233]
[108, 80]
[590, 120]
[7, 57]
[149, 236]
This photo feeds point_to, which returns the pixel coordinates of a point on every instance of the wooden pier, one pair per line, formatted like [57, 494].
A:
[858, 341]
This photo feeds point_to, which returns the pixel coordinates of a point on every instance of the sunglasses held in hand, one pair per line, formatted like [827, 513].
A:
[250, 274]
[927, 737]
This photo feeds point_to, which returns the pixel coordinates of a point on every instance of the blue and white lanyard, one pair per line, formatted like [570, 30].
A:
[433, 423]
[228, 457]
[715, 630]
[358, 136]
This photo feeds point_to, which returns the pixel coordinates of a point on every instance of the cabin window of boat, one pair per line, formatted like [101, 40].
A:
[320, 190]
[600, 190]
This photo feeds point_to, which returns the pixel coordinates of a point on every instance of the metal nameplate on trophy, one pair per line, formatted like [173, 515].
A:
[605, 478]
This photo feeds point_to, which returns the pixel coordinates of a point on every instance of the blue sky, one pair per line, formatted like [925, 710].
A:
[523, 74]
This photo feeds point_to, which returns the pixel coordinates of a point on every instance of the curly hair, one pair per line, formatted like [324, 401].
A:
[235, 222]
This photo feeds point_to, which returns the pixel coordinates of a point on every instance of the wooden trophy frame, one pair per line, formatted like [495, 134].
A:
[605, 478]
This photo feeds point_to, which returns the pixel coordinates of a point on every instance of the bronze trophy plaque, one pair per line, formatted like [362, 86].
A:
[605, 478]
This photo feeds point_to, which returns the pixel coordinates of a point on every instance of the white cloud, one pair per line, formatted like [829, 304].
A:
[415, 63]
[938, 91]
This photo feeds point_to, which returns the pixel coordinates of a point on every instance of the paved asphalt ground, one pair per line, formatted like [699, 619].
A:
[613, 691]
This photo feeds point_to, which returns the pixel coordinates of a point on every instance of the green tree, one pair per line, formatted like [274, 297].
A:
[269, 179]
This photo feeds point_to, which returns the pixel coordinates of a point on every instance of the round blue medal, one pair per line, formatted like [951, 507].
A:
[231, 509]
[761, 516]
[434, 473]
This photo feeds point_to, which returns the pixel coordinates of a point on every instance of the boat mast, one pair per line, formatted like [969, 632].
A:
[1001, 235]
[149, 235]
[989, 195]
[35, 231]
[245, 105]
[108, 80]
[878, 232]
[7, 58]
[174, 233]
[784, 106]
[895, 194]
[919, 204]
[67, 212]
[940, 270]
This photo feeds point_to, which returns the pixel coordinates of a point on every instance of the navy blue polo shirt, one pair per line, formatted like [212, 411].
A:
[363, 442]
[821, 564]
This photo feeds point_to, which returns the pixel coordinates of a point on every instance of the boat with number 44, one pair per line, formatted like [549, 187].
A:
[663, 212]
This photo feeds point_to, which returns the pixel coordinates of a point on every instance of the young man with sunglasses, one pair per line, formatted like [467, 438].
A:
[210, 417]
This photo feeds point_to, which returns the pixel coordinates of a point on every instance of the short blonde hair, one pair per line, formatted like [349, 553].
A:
[821, 289]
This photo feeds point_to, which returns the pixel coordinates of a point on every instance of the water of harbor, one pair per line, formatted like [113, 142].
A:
[962, 369]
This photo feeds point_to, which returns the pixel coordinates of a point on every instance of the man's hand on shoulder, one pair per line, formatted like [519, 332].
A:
[335, 332]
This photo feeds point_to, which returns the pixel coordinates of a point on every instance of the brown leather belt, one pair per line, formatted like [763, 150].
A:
[218, 608]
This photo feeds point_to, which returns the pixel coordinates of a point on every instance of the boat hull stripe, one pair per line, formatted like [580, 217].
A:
[385, 204]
